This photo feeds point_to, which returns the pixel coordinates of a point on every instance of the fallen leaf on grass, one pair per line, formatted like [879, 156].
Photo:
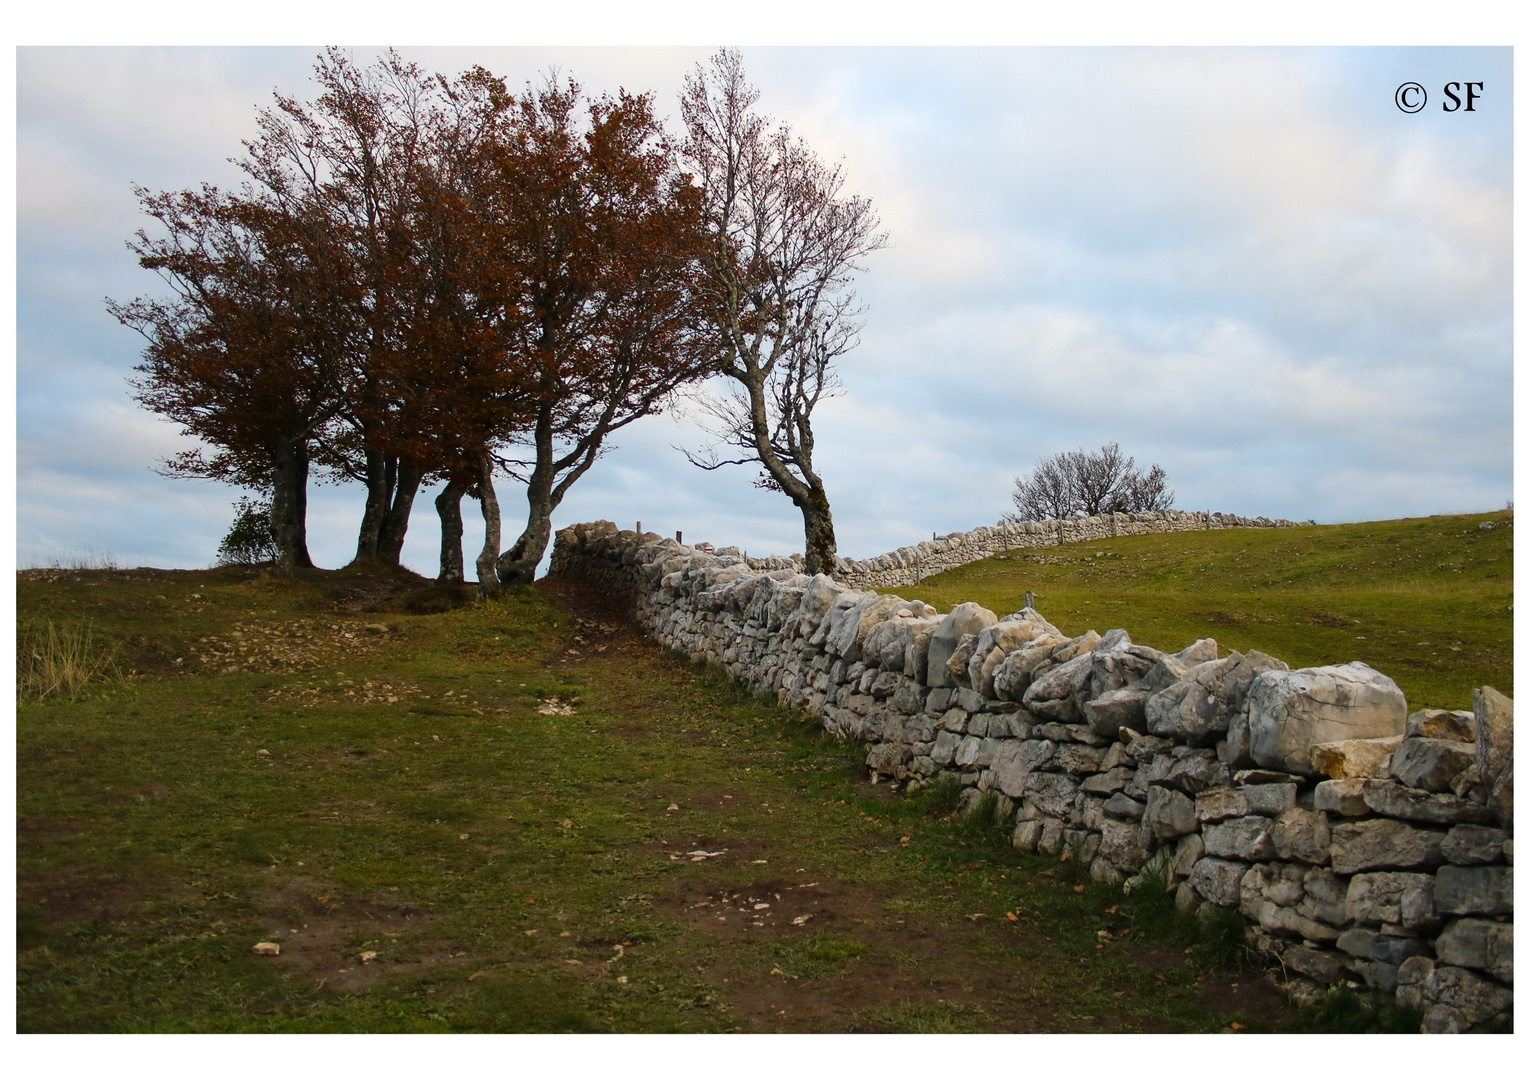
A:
[1012, 916]
[800, 920]
[1077, 888]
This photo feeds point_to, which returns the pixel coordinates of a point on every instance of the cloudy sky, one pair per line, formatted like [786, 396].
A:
[1247, 265]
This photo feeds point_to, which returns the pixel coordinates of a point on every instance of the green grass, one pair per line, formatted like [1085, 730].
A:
[310, 756]
[1427, 601]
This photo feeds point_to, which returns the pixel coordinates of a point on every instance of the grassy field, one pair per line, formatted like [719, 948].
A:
[517, 816]
[1427, 601]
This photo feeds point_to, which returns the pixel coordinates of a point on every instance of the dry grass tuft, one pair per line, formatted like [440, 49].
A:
[59, 661]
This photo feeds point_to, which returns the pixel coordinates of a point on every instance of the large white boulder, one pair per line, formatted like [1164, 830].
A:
[1288, 712]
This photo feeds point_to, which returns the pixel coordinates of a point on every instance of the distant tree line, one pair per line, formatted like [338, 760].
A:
[426, 279]
[1084, 483]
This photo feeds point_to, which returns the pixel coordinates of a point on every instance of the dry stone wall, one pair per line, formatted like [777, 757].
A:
[1367, 845]
[911, 564]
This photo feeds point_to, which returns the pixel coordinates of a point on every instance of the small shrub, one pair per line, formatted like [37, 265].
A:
[250, 540]
[943, 795]
[1345, 1013]
[1153, 905]
[54, 661]
[1219, 936]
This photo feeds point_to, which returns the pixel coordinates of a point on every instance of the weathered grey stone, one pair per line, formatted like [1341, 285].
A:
[1239, 838]
[1270, 800]
[1473, 845]
[1460, 996]
[1022, 665]
[1200, 652]
[1143, 747]
[1285, 921]
[1368, 945]
[1344, 797]
[1052, 793]
[966, 752]
[1116, 709]
[963, 619]
[1051, 832]
[1394, 898]
[1326, 967]
[1054, 695]
[1442, 724]
[1122, 806]
[1303, 836]
[1398, 801]
[1186, 900]
[1380, 843]
[1026, 835]
[1190, 850]
[1169, 813]
[1015, 760]
[945, 745]
[1121, 665]
[1288, 712]
[886, 758]
[960, 660]
[1076, 759]
[969, 700]
[1125, 844]
[1104, 872]
[1203, 704]
[1478, 943]
[1500, 802]
[1195, 772]
[1377, 974]
[1431, 764]
[1474, 890]
[954, 720]
[1493, 733]
[1258, 777]
[909, 698]
[938, 700]
[1104, 783]
[1325, 897]
[1278, 883]
[1217, 804]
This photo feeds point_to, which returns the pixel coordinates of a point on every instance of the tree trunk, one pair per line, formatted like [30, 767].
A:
[488, 499]
[821, 543]
[517, 566]
[379, 484]
[395, 521]
[448, 504]
[289, 505]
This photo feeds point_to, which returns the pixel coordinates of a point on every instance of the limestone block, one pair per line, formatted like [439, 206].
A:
[1389, 949]
[1483, 944]
[1473, 845]
[1500, 802]
[1015, 760]
[1431, 764]
[1474, 890]
[1453, 998]
[1288, 712]
[1026, 835]
[1410, 804]
[1190, 850]
[1442, 724]
[963, 619]
[1195, 771]
[1343, 797]
[1240, 838]
[1400, 899]
[1076, 759]
[1169, 813]
[1203, 704]
[1120, 805]
[1303, 836]
[1217, 804]
[1324, 966]
[1124, 707]
[1381, 843]
[1269, 800]
[1125, 844]
[1111, 780]
[1493, 733]
[1053, 696]
[1052, 793]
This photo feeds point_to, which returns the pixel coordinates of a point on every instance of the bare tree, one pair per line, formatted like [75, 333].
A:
[1080, 482]
[784, 247]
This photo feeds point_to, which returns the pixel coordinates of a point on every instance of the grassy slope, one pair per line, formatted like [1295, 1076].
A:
[495, 858]
[1427, 601]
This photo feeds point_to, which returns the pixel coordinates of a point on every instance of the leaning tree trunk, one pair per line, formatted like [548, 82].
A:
[448, 504]
[517, 566]
[488, 499]
[821, 543]
[395, 520]
[289, 504]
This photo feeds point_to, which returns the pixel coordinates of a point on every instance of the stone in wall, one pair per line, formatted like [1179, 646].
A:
[1290, 711]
